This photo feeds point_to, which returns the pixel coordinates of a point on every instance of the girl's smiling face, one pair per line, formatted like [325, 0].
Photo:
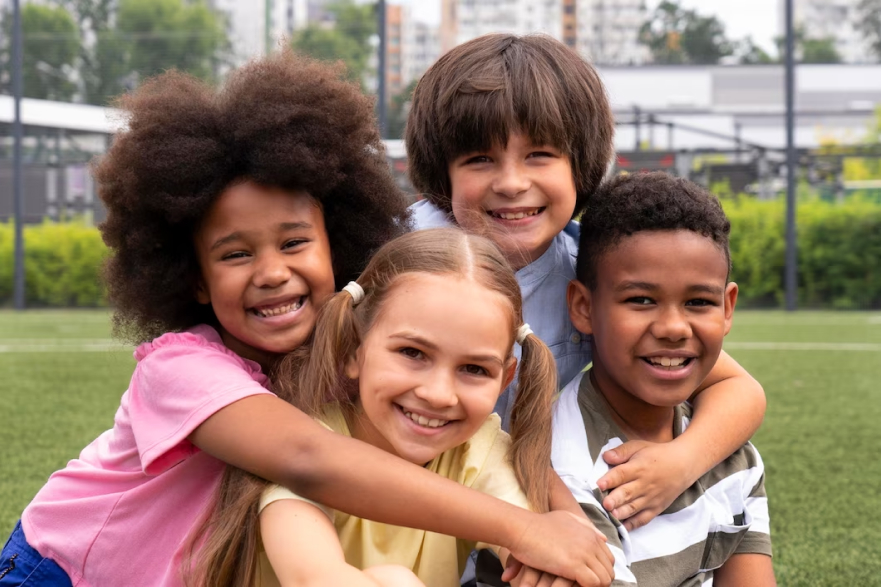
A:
[266, 268]
[432, 365]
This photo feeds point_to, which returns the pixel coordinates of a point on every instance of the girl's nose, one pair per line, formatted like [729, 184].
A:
[272, 271]
[438, 391]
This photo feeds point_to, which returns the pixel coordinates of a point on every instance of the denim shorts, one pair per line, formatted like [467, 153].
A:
[22, 566]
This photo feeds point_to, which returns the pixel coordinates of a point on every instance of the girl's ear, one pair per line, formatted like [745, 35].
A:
[202, 295]
[579, 300]
[352, 369]
[510, 371]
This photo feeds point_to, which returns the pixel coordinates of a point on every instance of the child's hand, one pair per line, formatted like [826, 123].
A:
[565, 545]
[646, 478]
[521, 576]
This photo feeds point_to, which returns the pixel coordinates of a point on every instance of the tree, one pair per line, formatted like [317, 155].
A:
[50, 43]
[675, 35]
[809, 49]
[347, 41]
[398, 111]
[748, 53]
[128, 40]
[869, 24]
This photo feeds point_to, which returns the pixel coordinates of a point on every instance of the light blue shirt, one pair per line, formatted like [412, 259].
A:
[543, 285]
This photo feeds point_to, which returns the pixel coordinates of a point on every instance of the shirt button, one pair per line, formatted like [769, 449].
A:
[575, 338]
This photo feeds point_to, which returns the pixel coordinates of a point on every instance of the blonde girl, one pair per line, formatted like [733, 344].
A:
[411, 359]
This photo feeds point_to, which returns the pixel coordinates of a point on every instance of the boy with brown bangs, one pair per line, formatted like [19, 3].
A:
[652, 290]
[508, 137]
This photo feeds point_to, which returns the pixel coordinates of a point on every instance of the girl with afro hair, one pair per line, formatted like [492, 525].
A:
[233, 214]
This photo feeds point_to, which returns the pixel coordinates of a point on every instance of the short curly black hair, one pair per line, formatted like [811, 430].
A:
[628, 204]
[283, 121]
[483, 90]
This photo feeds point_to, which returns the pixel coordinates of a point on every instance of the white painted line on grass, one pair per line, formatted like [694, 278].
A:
[82, 345]
[804, 346]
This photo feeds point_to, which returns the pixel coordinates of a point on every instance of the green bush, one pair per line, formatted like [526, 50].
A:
[62, 265]
[839, 256]
[839, 252]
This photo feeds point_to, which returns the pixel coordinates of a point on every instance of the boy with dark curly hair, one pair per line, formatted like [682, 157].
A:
[654, 296]
[508, 137]
[233, 214]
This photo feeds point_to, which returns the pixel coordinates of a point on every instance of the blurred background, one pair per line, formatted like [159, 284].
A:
[699, 89]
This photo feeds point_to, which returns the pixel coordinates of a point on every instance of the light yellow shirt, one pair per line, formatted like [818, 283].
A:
[481, 463]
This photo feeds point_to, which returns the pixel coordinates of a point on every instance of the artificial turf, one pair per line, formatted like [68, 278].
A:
[821, 440]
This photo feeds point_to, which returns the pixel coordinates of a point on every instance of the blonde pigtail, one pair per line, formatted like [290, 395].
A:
[311, 377]
[531, 421]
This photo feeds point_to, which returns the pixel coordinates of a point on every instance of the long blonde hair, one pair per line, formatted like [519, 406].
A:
[225, 548]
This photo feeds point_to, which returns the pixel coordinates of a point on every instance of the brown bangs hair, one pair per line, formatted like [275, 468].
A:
[481, 91]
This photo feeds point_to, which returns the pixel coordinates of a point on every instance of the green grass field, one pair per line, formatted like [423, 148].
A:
[61, 379]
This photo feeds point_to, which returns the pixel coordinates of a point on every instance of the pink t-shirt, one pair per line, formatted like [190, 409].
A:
[120, 513]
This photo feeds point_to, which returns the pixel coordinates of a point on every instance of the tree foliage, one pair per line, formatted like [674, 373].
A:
[50, 44]
[675, 35]
[809, 49]
[93, 50]
[869, 24]
[347, 41]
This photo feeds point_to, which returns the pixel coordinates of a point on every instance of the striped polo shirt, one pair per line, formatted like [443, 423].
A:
[724, 513]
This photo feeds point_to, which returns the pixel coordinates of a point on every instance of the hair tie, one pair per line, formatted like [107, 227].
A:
[523, 332]
[356, 291]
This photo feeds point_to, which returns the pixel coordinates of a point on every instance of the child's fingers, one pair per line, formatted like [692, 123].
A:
[623, 453]
[512, 569]
[639, 520]
[529, 577]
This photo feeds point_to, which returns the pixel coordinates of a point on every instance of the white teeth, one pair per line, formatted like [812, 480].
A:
[668, 361]
[278, 311]
[515, 215]
[423, 421]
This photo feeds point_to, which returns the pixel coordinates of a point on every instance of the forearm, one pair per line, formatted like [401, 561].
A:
[561, 498]
[754, 570]
[727, 412]
[274, 440]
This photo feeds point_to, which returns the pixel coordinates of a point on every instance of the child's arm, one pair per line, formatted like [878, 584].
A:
[270, 438]
[754, 570]
[302, 546]
[728, 408]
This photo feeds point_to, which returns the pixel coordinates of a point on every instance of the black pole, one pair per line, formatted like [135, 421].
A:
[791, 273]
[380, 70]
[17, 179]
[637, 131]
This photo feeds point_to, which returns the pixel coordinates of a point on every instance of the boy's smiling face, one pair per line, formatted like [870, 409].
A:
[658, 314]
[520, 195]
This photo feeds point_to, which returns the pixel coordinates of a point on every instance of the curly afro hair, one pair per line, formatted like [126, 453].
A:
[483, 90]
[283, 121]
[628, 204]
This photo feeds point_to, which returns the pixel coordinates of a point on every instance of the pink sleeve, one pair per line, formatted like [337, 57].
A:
[174, 389]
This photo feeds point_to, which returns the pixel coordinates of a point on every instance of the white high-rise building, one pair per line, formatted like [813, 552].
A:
[837, 19]
[608, 31]
[463, 20]
[604, 31]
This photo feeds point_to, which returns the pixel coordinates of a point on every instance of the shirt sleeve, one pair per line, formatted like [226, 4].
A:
[757, 539]
[175, 388]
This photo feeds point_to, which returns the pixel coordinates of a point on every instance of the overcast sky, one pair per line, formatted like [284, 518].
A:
[756, 18]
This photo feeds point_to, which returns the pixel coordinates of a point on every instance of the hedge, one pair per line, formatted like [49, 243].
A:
[62, 265]
[839, 252]
[839, 256]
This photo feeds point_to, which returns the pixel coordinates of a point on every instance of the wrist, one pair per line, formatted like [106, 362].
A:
[691, 458]
[513, 527]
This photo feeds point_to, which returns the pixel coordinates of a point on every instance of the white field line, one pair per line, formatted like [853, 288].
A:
[69, 345]
[804, 346]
